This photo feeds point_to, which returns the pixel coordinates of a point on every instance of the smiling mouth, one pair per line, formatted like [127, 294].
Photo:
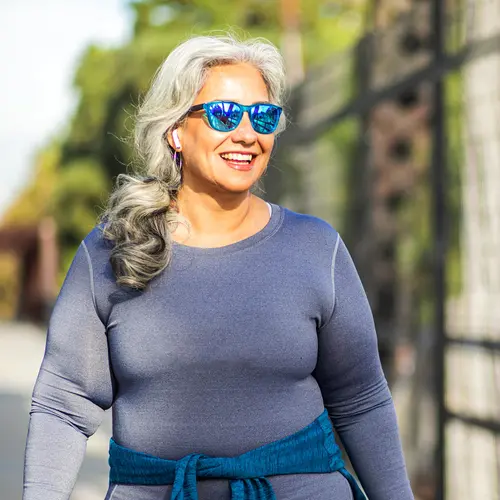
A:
[239, 159]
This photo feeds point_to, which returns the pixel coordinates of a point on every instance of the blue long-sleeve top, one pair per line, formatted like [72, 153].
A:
[228, 349]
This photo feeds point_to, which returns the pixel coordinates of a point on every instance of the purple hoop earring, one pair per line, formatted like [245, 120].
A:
[178, 159]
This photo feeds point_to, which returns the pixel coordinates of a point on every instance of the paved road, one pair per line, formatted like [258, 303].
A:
[21, 351]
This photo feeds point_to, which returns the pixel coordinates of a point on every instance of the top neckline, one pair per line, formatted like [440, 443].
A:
[267, 231]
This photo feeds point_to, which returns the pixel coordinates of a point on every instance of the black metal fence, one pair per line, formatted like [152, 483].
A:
[384, 142]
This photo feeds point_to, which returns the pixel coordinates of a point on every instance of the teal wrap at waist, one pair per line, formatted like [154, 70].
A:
[310, 450]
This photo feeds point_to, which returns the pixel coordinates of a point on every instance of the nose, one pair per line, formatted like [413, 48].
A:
[244, 132]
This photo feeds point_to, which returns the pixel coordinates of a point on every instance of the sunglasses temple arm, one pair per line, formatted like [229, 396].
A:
[197, 107]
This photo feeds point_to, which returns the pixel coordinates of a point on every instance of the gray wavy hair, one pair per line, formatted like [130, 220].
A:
[141, 210]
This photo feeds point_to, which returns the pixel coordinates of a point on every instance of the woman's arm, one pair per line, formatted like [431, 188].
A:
[355, 390]
[73, 388]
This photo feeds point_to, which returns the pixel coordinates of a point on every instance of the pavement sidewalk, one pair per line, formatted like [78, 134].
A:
[21, 352]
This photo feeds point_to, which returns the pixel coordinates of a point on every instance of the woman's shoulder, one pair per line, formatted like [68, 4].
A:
[95, 241]
[98, 250]
[106, 290]
[310, 228]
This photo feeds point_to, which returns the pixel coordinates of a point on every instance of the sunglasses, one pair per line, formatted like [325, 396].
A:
[225, 116]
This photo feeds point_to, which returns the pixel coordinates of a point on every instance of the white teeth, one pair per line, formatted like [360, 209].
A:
[237, 156]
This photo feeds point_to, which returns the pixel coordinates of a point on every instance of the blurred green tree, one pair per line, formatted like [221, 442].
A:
[95, 147]
[36, 200]
[109, 81]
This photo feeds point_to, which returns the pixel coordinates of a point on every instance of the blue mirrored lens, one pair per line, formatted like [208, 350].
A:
[224, 116]
[265, 118]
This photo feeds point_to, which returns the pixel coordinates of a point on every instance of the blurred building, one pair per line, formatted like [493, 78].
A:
[29, 271]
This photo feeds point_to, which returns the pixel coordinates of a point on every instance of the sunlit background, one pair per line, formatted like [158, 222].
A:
[394, 139]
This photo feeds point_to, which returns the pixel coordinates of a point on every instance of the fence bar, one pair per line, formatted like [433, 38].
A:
[438, 172]
[363, 103]
[489, 345]
[487, 424]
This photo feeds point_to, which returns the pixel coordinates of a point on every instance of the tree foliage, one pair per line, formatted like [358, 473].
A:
[36, 199]
[72, 177]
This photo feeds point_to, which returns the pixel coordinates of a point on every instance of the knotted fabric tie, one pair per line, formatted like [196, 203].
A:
[310, 450]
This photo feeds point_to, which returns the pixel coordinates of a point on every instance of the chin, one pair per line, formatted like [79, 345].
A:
[236, 185]
[236, 188]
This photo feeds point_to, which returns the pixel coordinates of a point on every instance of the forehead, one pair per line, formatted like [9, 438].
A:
[242, 83]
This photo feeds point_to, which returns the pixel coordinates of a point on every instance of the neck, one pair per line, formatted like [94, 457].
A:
[211, 217]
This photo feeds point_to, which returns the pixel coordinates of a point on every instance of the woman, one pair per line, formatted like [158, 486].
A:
[213, 322]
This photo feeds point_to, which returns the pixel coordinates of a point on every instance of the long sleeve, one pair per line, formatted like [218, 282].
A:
[354, 388]
[73, 388]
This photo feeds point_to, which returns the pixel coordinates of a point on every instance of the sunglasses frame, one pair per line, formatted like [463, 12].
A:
[245, 109]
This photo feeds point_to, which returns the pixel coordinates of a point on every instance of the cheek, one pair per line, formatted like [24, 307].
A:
[206, 140]
[267, 144]
[200, 147]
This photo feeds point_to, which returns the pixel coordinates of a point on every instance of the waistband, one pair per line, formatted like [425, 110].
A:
[310, 450]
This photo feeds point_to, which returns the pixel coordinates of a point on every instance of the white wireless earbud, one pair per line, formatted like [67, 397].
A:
[175, 138]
